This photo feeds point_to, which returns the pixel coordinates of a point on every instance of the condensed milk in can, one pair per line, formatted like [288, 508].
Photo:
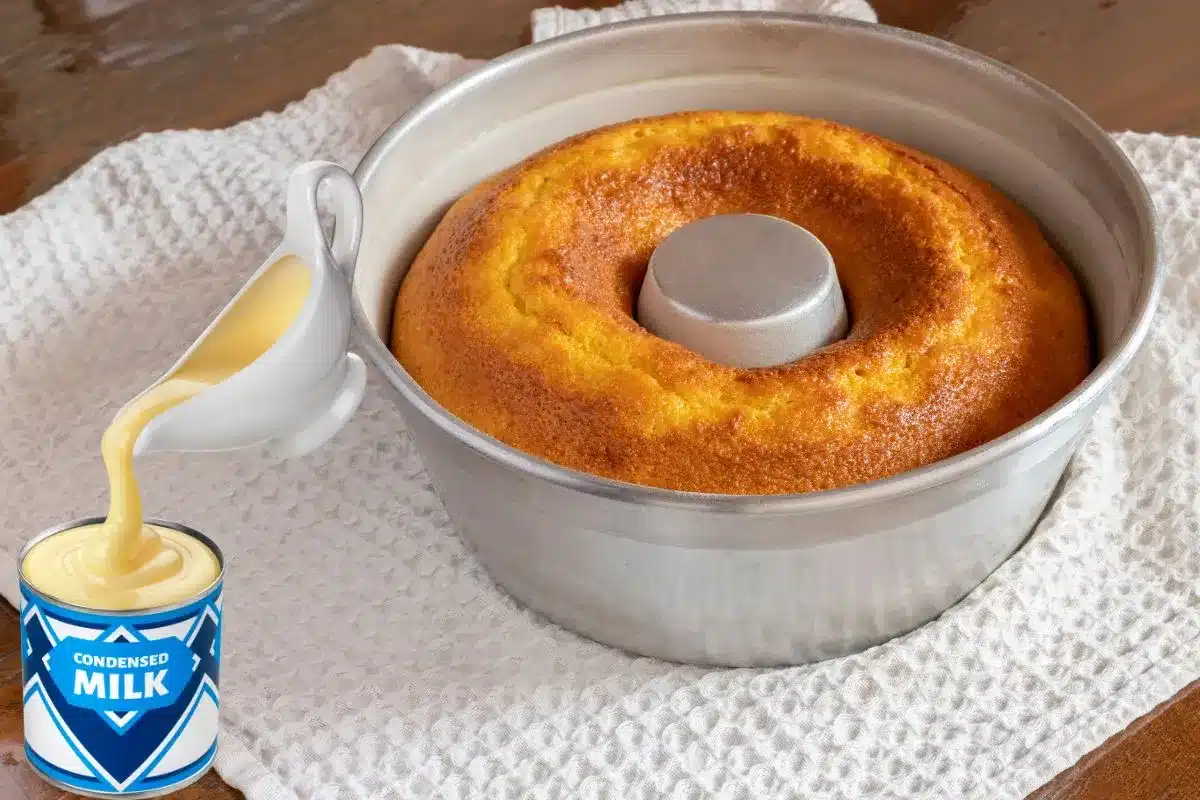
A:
[121, 703]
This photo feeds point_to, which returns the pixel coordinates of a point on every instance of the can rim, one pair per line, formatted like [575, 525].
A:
[132, 612]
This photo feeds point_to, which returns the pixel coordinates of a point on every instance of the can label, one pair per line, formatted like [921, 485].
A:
[121, 703]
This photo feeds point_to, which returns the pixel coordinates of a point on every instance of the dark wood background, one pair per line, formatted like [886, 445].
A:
[79, 75]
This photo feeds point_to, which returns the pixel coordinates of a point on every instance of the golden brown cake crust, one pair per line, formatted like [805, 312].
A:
[517, 315]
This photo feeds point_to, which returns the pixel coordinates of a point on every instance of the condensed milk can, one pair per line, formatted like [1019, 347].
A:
[121, 702]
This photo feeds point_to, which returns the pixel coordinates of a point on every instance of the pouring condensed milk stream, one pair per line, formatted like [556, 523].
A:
[273, 368]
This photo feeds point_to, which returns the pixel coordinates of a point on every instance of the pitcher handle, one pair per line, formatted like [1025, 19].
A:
[304, 233]
[306, 237]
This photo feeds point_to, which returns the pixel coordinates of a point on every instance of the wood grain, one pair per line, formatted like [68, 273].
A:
[78, 76]
[1158, 756]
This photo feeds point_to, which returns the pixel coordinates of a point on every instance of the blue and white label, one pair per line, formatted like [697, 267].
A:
[122, 676]
[121, 704]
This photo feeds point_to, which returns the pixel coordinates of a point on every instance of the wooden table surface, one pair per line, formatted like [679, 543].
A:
[79, 75]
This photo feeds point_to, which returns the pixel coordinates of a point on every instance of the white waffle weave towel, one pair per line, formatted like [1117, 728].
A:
[368, 656]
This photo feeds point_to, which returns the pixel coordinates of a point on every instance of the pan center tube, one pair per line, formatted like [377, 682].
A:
[746, 290]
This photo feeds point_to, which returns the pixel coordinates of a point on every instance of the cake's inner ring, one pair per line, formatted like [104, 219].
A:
[876, 227]
[858, 217]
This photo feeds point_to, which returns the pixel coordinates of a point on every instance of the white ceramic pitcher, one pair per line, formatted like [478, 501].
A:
[307, 385]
